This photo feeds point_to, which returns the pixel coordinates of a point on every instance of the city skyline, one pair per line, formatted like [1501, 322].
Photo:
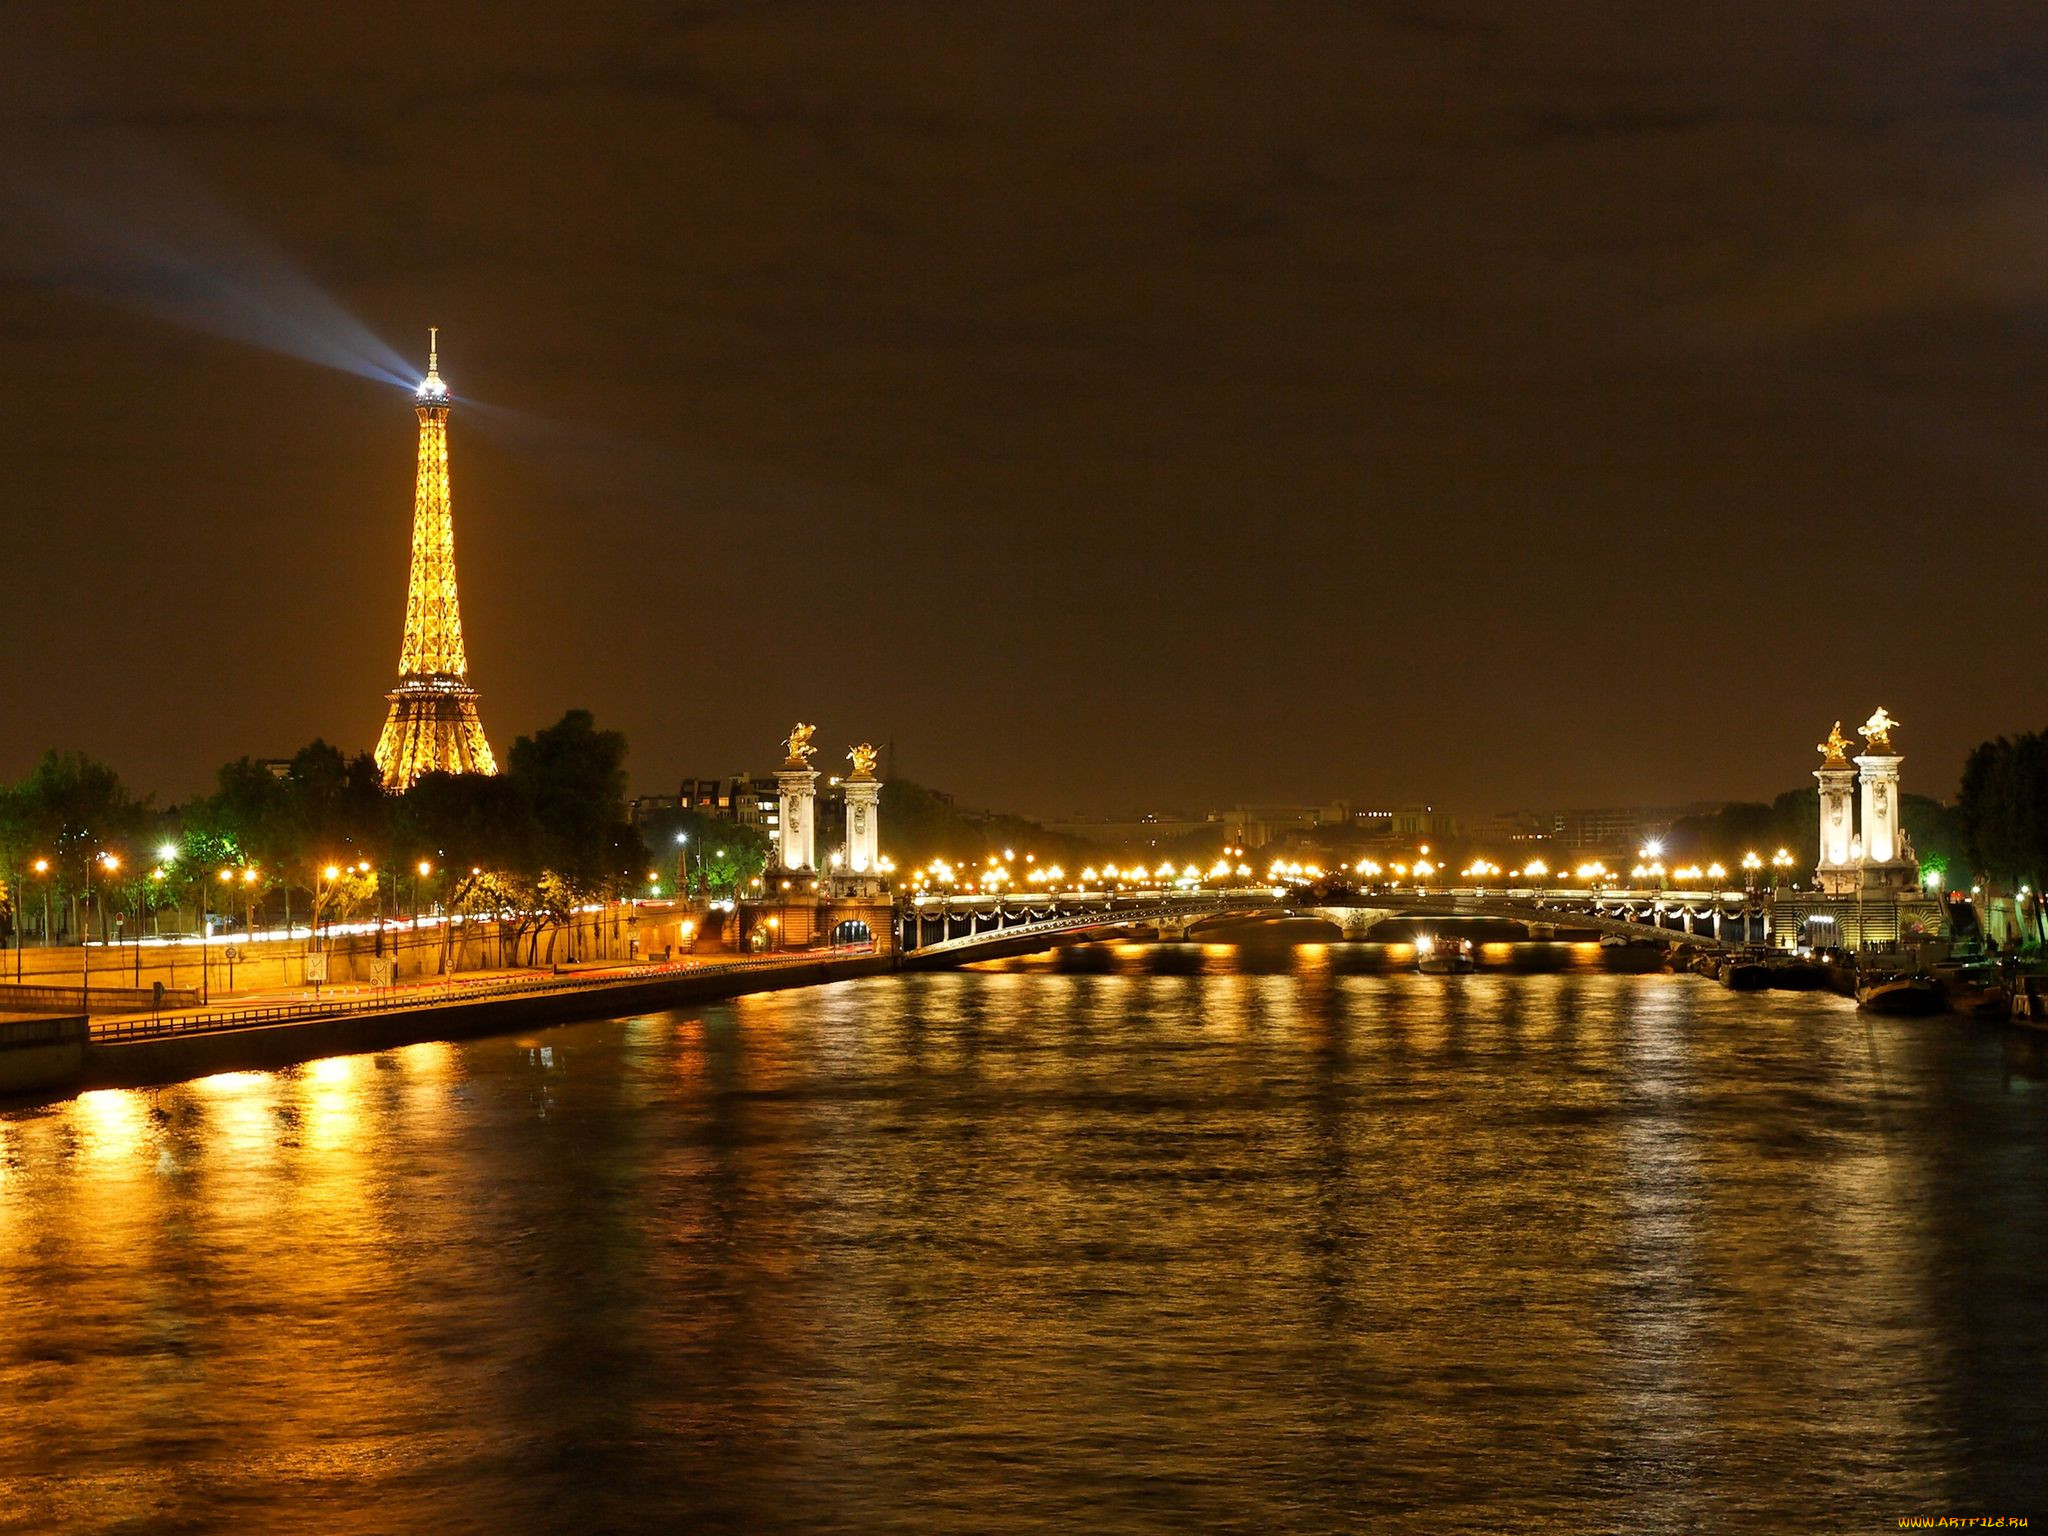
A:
[825, 348]
[1199, 766]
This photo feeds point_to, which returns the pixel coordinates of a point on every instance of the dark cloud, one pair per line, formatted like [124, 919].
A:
[1172, 402]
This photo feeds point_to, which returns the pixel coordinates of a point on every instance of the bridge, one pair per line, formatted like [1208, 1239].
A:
[934, 931]
[969, 928]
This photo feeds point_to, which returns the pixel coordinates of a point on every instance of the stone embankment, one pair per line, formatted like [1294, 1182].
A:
[44, 1058]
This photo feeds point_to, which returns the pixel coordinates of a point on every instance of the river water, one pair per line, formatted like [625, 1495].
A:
[1170, 1239]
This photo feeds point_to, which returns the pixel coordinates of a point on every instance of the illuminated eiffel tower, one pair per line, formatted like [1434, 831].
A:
[433, 725]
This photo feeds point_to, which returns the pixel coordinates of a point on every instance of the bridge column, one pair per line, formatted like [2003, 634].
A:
[863, 793]
[1835, 872]
[796, 837]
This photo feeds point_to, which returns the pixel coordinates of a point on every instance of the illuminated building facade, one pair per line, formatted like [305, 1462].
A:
[433, 725]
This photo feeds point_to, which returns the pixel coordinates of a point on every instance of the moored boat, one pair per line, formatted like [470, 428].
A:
[1979, 989]
[1798, 976]
[2029, 1002]
[1449, 959]
[1899, 994]
[1740, 974]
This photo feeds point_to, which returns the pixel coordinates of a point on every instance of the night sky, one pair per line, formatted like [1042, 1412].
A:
[1118, 406]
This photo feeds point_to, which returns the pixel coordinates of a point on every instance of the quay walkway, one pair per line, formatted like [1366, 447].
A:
[65, 1056]
[286, 1004]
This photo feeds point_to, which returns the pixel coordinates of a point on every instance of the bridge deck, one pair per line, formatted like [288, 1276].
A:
[1010, 925]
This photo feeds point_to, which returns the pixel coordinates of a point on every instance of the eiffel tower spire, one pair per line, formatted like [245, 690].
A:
[433, 724]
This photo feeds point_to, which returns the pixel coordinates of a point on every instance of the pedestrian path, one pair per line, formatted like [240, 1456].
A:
[271, 1003]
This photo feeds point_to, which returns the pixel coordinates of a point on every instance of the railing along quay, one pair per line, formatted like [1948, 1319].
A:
[395, 998]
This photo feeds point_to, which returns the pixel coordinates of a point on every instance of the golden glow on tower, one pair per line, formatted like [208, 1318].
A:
[433, 724]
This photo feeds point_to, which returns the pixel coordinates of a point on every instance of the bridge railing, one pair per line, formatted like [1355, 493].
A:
[1064, 922]
[397, 999]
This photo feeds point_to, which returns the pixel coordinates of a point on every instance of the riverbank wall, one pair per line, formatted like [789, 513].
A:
[236, 963]
[58, 1069]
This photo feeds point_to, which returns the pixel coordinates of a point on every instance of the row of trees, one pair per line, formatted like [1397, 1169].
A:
[1792, 821]
[321, 837]
[2002, 807]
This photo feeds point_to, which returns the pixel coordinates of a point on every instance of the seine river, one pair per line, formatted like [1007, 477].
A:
[1179, 1239]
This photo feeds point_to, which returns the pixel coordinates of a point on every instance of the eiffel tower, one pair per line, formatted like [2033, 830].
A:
[433, 724]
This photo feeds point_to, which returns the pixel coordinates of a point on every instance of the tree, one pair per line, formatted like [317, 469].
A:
[1790, 821]
[2002, 814]
[74, 810]
[720, 858]
[574, 777]
[920, 824]
[16, 855]
[571, 780]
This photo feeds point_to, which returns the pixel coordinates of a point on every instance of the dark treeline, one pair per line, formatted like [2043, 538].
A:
[318, 839]
[2003, 811]
[920, 824]
[1792, 822]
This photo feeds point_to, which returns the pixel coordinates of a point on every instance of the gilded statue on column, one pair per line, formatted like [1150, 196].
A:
[1877, 732]
[1835, 750]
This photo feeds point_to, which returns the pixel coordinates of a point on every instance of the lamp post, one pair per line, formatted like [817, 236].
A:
[141, 889]
[227, 882]
[1751, 865]
[42, 868]
[328, 876]
[110, 863]
[20, 889]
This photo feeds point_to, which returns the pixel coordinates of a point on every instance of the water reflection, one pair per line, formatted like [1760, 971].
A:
[1123, 1238]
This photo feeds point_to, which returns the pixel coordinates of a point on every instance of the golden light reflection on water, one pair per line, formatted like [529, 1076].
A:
[332, 1095]
[110, 1125]
[1296, 1235]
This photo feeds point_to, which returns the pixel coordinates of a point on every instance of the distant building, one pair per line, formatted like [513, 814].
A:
[1146, 831]
[1253, 826]
[748, 799]
[1609, 829]
[1515, 829]
[1405, 823]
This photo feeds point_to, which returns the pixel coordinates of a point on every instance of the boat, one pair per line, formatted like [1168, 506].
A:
[1742, 974]
[1434, 959]
[1914, 995]
[1978, 988]
[1798, 976]
[2029, 1003]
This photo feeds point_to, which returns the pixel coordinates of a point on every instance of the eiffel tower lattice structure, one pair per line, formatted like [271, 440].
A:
[433, 724]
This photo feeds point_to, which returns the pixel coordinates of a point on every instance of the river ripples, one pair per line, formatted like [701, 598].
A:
[1130, 1239]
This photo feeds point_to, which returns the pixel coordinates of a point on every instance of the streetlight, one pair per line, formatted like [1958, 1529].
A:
[42, 868]
[109, 863]
[328, 875]
[227, 880]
